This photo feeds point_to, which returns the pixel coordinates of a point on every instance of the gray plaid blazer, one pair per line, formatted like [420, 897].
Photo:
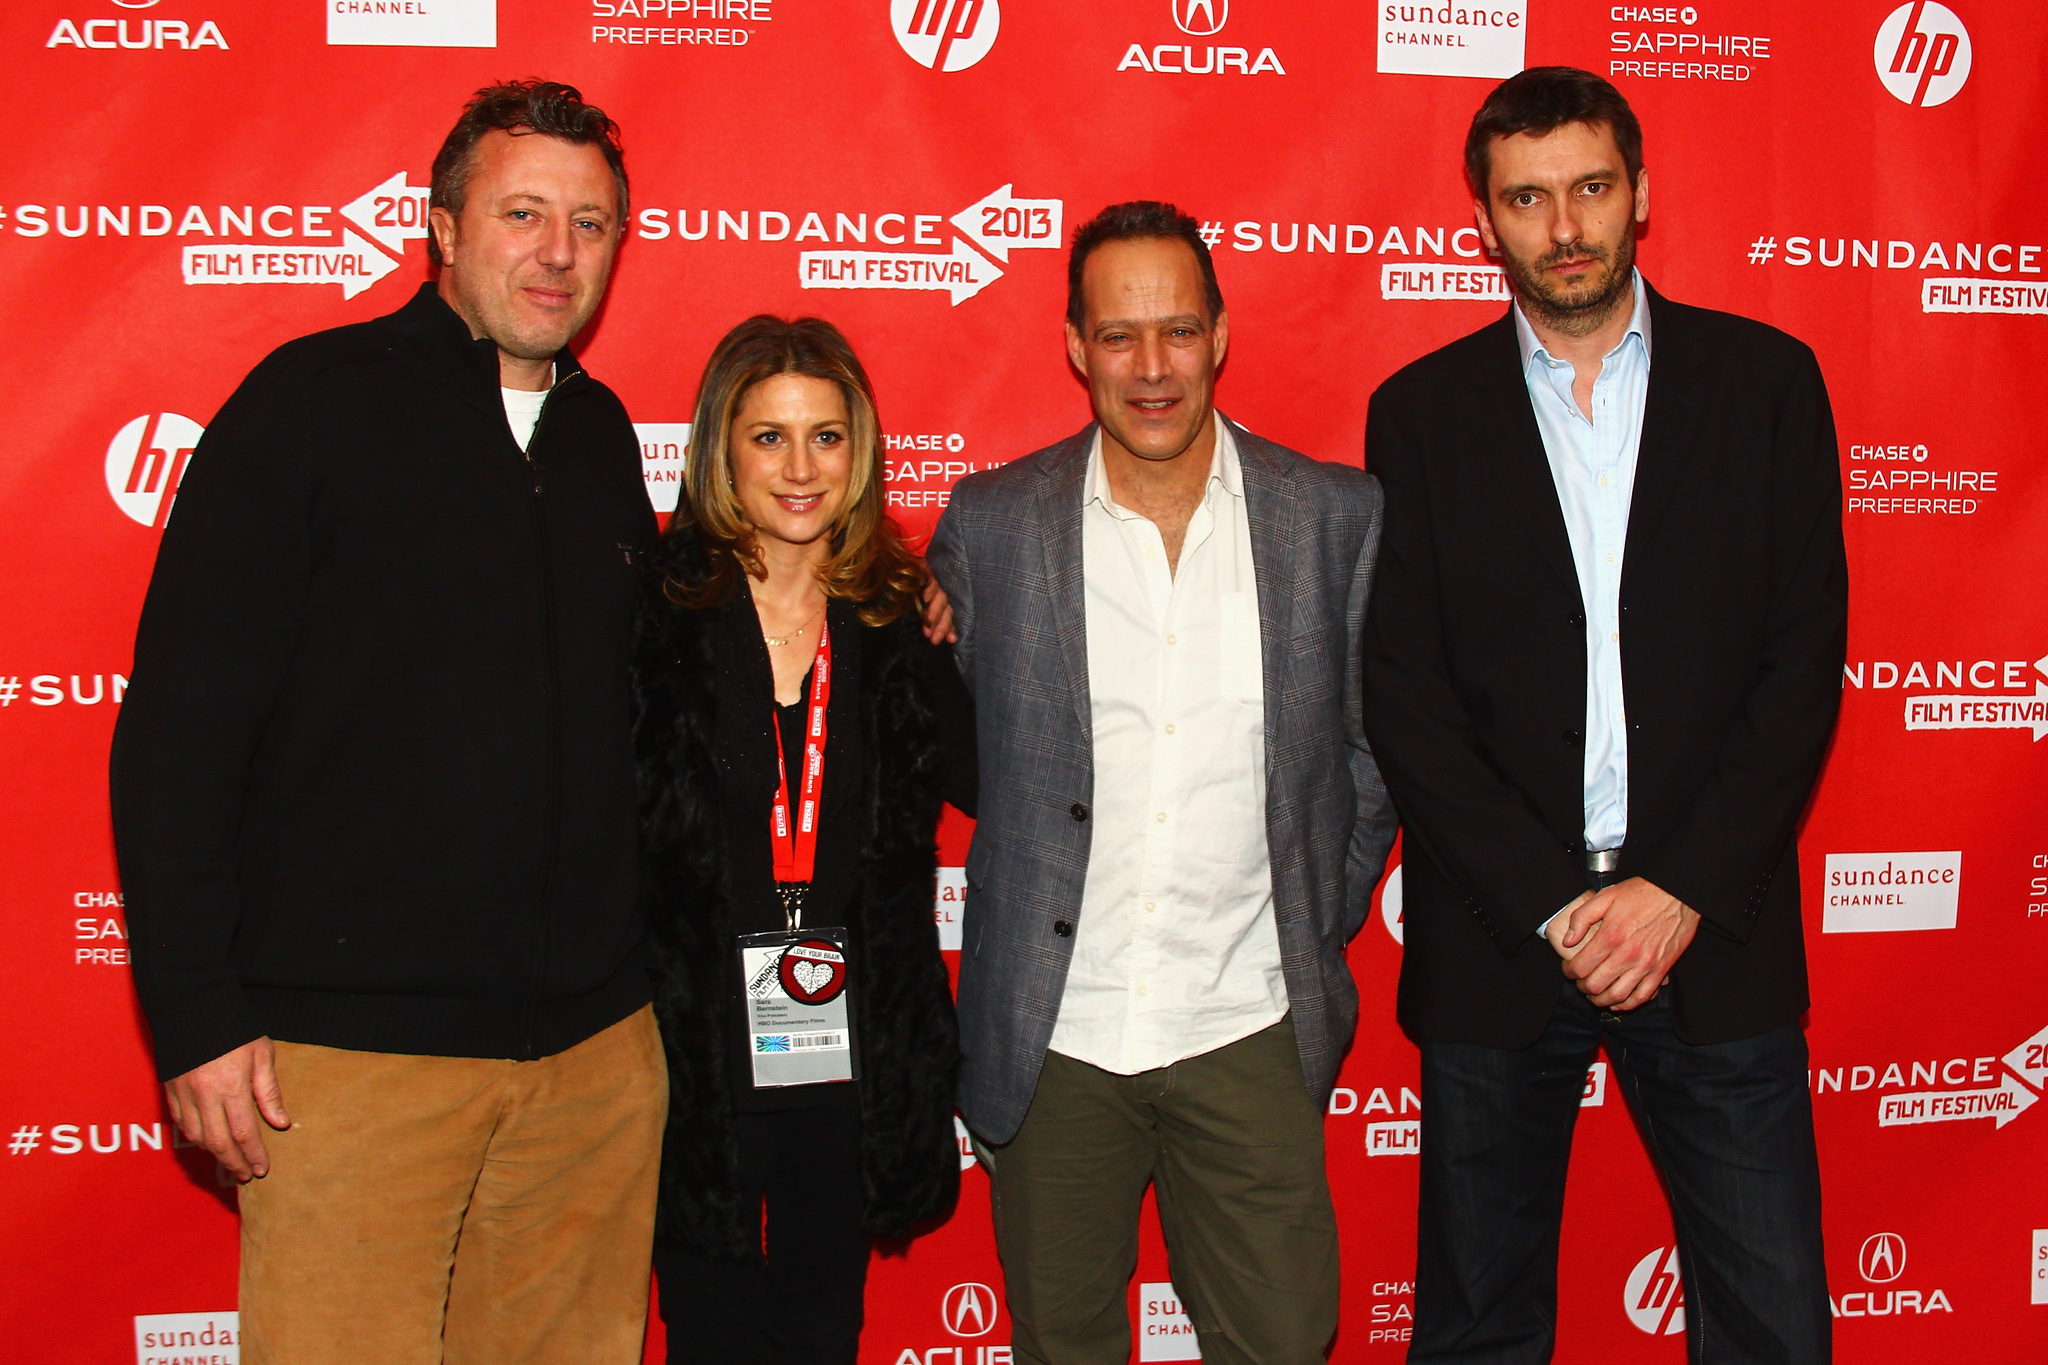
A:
[1008, 553]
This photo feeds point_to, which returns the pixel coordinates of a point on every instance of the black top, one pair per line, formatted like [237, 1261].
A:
[1734, 605]
[373, 783]
[746, 748]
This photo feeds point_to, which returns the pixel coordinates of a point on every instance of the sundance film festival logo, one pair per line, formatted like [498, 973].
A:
[1922, 53]
[1654, 1297]
[1962, 1089]
[1981, 709]
[946, 35]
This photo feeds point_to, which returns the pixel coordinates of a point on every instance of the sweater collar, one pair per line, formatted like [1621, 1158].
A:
[436, 334]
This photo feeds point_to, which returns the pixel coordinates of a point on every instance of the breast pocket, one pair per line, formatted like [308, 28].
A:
[1242, 654]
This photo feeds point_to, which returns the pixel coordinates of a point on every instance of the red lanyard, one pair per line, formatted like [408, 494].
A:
[796, 849]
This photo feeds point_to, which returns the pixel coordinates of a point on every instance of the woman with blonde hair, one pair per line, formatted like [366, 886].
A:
[796, 736]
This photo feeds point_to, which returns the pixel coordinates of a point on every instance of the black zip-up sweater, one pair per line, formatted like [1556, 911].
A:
[373, 780]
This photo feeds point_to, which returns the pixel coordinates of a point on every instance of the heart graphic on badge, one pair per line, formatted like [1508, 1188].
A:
[813, 971]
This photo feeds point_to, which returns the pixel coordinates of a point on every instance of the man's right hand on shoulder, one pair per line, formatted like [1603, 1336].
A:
[217, 1106]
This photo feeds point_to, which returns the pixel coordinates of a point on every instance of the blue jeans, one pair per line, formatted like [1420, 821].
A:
[1730, 1129]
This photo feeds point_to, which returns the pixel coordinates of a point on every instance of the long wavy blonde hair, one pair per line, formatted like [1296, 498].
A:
[869, 564]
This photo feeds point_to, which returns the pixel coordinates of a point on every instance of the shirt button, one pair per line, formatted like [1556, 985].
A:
[1603, 481]
[1143, 990]
[1610, 559]
[1614, 636]
[1173, 639]
[1150, 906]
[1169, 727]
[1161, 817]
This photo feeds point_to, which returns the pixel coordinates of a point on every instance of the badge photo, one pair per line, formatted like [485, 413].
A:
[812, 971]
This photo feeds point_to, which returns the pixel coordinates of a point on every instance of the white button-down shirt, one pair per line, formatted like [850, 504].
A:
[1593, 464]
[1176, 952]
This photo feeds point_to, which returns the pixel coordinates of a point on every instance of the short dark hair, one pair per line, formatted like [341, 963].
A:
[1542, 100]
[1138, 219]
[545, 107]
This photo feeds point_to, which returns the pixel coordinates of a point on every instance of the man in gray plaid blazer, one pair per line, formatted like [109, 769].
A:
[1180, 827]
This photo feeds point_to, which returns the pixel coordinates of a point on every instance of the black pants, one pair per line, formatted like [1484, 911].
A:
[1730, 1128]
[796, 1301]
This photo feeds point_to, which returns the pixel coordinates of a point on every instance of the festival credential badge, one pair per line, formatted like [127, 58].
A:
[799, 1031]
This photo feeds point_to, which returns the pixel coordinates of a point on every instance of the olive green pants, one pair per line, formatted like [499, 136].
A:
[1233, 1144]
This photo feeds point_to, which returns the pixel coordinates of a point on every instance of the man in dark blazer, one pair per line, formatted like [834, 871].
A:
[1603, 661]
[1180, 826]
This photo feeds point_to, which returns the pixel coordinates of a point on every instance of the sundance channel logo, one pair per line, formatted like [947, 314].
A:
[411, 23]
[1874, 893]
[188, 1339]
[1452, 37]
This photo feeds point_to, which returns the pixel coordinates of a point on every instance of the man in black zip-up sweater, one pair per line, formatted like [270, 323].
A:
[374, 798]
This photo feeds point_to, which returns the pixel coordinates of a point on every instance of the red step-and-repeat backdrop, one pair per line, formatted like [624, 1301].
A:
[195, 181]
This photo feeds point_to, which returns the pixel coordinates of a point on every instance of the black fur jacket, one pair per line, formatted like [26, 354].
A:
[909, 1042]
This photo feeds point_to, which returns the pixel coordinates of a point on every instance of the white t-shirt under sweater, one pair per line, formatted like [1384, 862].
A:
[522, 410]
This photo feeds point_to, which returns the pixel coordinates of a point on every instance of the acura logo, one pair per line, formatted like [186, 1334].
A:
[969, 1309]
[1201, 17]
[1883, 1258]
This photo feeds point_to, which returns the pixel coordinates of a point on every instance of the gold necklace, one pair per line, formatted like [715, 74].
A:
[778, 641]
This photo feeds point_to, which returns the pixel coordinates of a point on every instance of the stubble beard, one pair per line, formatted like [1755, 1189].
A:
[1574, 310]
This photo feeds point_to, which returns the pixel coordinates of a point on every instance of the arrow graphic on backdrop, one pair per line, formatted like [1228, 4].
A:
[1962, 712]
[2029, 1060]
[2002, 1104]
[393, 214]
[355, 265]
[999, 222]
[963, 273]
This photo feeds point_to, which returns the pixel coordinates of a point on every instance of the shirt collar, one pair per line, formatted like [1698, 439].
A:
[1638, 327]
[1224, 466]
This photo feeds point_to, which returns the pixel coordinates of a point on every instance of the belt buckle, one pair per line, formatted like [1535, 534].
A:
[1603, 860]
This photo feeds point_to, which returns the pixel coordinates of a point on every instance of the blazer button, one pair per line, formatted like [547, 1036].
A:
[1577, 622]
[1062, 928]
[1571, 736]
[1078, 811]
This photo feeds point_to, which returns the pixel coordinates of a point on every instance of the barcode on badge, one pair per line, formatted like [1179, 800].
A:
[834, 1041]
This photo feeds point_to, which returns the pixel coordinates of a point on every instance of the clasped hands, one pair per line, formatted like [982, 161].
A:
[1619, 943]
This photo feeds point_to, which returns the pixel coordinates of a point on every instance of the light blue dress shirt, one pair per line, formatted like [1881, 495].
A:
[1593, 464]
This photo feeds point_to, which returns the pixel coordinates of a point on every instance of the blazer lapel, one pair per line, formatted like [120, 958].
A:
[1270, 512]
[1509, 442]
[1060, 499]
[1673, 420]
